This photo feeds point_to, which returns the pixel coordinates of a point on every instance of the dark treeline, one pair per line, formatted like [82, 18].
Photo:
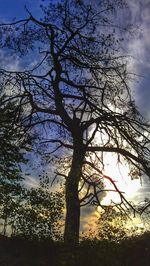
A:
[131, 252]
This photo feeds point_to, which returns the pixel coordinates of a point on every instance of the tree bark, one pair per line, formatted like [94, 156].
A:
[5, 226]
[72, 222]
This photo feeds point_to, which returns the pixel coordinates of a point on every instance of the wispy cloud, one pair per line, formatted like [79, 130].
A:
[11, 63]
[139, 49]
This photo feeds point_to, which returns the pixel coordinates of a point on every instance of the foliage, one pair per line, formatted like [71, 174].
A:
[112, 225]
[39, 215]
[11, 197]
[14, 141]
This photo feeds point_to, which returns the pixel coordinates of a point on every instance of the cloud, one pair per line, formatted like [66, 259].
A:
[139, 49]
[89, 219]
[11, 62]
[31, 182]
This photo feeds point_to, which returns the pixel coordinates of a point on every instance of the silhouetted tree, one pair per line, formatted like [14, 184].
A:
[13, 140]
[73, 82]
[11, 194]
[112, 225]
[39, 215]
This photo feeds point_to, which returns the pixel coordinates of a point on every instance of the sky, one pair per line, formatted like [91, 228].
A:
[138, 47]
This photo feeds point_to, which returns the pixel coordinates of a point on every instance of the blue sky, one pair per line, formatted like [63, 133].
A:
[15, 8]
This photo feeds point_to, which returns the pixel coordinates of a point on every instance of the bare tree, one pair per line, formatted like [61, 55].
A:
[77, 87]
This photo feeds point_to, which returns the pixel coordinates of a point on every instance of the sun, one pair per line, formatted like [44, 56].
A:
[120, 174]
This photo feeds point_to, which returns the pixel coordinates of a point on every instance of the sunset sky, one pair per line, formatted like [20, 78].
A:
[138, 47]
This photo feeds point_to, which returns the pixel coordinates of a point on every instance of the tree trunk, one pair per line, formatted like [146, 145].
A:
[72, 222]
[5, 226]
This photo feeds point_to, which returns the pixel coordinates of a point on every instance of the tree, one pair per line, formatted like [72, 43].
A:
[40, 212]
[112, 225]
[13, 140]
[11, 194]
[77, 90]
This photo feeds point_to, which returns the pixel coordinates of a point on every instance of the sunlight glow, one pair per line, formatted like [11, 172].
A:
[120, 174]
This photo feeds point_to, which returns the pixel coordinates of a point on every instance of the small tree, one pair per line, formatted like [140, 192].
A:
[11, 196]
[40, 213]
